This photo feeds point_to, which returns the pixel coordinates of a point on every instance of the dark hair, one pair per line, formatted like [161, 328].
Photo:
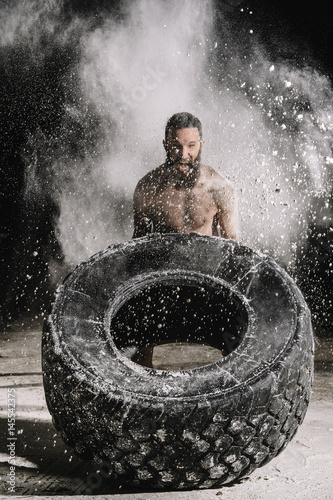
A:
[183, 120]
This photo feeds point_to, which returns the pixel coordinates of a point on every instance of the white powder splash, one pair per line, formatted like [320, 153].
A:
[268, 128]
[267, 125]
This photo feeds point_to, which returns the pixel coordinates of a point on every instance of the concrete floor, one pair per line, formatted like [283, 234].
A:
[45, 467]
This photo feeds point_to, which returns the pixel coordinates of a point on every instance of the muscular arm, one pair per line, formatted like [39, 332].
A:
[142, 222]
[227, 213]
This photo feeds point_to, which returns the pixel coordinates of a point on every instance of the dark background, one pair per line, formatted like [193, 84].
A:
[33, 94]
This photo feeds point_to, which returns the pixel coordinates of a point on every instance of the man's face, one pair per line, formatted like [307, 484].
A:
[183, 148]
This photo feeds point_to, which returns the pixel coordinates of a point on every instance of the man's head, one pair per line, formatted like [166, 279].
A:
[183, 144]
[183, 120]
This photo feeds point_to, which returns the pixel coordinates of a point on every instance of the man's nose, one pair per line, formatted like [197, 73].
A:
[185, 152]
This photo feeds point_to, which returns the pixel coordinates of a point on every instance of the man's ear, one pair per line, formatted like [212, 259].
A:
[165, 144]
[202, 143]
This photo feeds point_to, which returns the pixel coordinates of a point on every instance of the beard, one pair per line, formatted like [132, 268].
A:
[187, 178]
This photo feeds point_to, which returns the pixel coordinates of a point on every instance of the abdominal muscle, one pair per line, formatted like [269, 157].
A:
[183, 212]
[161, 227]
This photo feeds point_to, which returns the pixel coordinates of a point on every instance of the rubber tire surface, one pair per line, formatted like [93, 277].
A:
[196, 428]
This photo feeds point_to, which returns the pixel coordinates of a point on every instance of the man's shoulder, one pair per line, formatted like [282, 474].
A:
[151, 178]
[156, 172]
[210, 174]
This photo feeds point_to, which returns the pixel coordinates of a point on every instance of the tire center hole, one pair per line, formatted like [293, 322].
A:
[189, 325]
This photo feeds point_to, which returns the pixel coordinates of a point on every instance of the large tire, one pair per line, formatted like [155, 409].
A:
[178, 429]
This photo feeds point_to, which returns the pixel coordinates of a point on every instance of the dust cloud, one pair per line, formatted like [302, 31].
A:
[267, 124]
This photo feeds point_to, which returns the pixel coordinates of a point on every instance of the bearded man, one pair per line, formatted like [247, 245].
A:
[183, 195]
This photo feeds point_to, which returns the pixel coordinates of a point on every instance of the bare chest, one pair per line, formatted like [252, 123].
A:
[183, 210]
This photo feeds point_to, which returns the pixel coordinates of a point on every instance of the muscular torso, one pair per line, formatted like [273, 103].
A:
[161, 206]
[182, 210]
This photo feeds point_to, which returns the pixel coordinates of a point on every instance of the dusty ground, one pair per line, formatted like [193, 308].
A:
[45, 467]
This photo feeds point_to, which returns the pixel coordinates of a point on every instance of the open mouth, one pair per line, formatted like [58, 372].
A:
[183, 167]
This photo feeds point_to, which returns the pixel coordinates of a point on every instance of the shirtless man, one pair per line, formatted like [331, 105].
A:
[183, 195]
